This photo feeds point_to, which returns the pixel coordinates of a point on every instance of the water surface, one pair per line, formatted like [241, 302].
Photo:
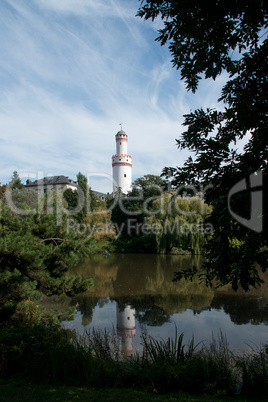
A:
[134, 291]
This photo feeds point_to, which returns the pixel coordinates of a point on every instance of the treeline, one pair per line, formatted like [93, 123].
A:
[151, 218]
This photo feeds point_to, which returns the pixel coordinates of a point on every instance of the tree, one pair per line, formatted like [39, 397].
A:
[2, 190]
[207, 38]
[177, 224]
[137, 204]
[203, 36]
[83, 200]
[35, 255]
[83, 197]
[144, 191]
[71, 197]
[15, 181]
[21, 198]
[150, 185]
[100, 226]
[87, 199]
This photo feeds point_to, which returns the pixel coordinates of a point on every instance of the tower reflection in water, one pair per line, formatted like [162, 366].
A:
[126, 328]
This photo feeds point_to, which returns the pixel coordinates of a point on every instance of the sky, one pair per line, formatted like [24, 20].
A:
[70, 72]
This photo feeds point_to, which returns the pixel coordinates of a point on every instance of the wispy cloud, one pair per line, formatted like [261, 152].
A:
[70, 72]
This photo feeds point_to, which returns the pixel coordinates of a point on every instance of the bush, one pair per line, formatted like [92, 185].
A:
[42, 354]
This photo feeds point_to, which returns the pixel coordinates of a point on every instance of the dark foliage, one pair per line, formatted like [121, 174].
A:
[35, 255]
[207, 38]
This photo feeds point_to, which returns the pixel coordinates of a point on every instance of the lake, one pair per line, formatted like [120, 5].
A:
[135, 292]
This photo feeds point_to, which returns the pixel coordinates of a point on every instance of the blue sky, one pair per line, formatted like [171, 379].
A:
[70, 72]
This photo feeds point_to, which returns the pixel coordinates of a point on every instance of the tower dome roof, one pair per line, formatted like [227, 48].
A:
[121, 132]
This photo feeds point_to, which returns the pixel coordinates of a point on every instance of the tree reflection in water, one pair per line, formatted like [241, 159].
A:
[144, 284]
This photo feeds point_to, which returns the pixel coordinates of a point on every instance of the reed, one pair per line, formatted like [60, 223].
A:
[55, 356]
[253, 368]
[219, 365]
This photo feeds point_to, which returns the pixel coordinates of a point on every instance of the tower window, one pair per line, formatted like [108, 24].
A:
[125, 175]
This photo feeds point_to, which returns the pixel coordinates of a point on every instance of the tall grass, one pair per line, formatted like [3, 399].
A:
[219, 365]
[253, 368]
[164, 365]
[53, 355]
[171, 351]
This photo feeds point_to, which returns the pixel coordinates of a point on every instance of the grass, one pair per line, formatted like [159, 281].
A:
[93, 365]
[18, 390]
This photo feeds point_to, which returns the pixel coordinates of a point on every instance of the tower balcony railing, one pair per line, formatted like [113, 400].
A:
[122, 156]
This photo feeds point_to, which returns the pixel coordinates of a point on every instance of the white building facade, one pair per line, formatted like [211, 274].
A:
[122, 164]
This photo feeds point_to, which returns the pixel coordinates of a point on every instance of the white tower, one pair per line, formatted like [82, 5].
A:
[126, 328]
[122, 164]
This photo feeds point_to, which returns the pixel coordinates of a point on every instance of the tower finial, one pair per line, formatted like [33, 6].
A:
[120, 124]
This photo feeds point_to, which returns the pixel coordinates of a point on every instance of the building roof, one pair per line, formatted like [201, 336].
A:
[52, 180]
[99, 194]
[121, 132]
